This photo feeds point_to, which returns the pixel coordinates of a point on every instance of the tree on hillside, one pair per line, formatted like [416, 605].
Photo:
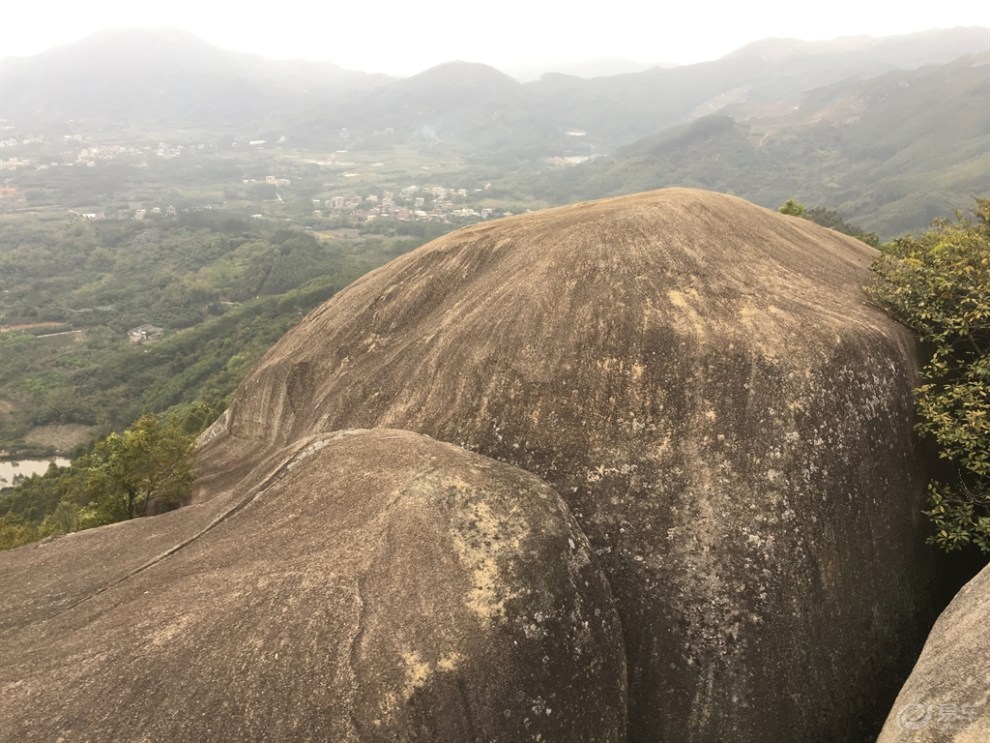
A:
[792, 207]
[147, 467]
[15, 531]
[828, 218]
[939, 285]
[834, 221]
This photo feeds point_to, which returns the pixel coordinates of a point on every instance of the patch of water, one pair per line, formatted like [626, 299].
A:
[15, 469]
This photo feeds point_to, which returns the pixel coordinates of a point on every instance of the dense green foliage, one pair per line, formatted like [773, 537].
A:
[792, 208]
[939, 284]
[145, 469]
[148, 466]
[224, 290]
[174, 273]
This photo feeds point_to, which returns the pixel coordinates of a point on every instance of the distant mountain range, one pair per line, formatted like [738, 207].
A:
[889, 152]
[162, 78]
[601, 67]
[881, 128]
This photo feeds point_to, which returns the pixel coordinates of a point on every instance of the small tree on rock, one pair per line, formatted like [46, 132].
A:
[148, 466]
[792, 207]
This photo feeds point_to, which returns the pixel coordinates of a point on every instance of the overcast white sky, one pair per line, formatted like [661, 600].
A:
[407, 37]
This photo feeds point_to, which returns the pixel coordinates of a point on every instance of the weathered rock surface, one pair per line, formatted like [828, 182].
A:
[705, 384]
[947, 696]
[370, 586]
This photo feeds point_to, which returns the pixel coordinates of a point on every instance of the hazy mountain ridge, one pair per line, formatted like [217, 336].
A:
[167, 77]
[864, 125]
[886, 152]
[591, 68]
[457, 105]
[769, 75]
[173, 77]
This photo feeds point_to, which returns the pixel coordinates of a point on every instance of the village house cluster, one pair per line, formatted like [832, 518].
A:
[87, 156]
[412, 203]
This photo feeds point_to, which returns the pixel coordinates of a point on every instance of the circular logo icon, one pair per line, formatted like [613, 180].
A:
[914, 716]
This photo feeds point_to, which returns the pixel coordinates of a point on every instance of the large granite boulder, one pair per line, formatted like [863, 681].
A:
[366, 586]
[947, 696]
[706, 385]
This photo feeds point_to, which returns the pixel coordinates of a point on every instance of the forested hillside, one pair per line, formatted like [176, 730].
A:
[222, 289]
[880, 151]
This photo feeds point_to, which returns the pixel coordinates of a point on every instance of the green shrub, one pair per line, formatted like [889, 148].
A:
[938, 284]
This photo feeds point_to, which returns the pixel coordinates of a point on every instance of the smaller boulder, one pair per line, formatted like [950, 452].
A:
[946, 699]
[375, 586]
